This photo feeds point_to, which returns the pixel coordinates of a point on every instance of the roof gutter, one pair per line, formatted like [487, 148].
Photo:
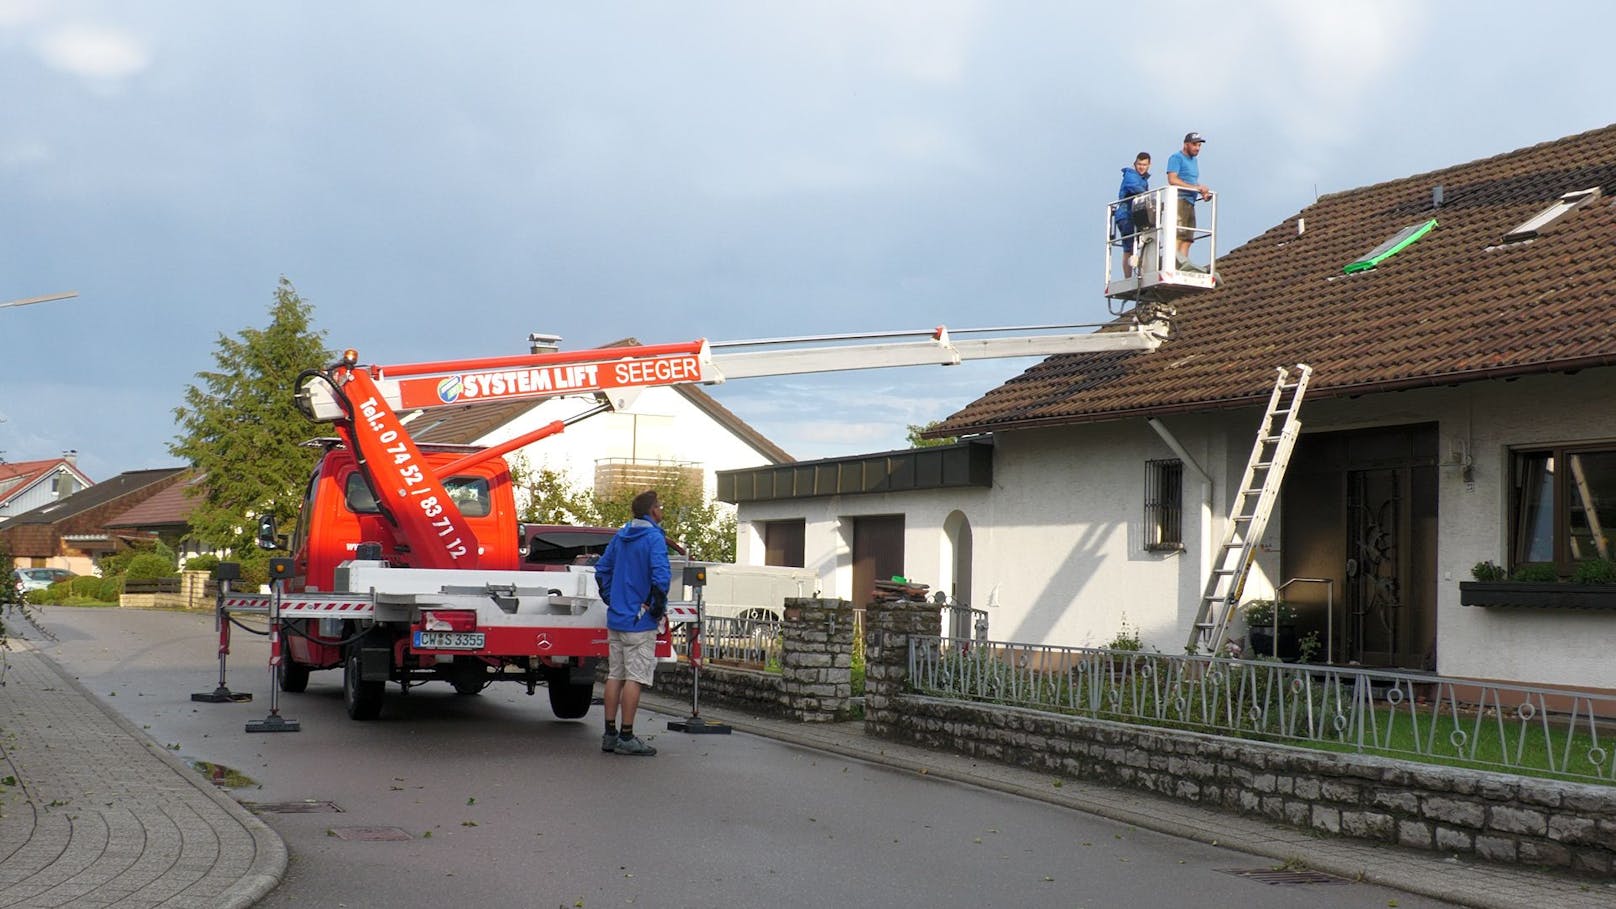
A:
[1315, 391]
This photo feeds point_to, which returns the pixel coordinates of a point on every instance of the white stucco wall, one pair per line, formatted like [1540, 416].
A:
[1058, 540]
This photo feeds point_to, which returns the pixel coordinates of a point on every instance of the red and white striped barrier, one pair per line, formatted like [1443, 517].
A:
[297, 606]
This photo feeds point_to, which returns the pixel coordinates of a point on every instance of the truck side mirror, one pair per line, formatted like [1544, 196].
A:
[267, 538]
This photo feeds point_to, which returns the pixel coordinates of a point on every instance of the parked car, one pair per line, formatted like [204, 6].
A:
[39, 578]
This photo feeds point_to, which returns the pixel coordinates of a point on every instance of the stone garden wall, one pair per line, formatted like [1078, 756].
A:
[1491, 816]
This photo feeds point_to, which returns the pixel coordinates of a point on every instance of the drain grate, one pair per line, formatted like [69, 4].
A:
[1282, 877]
[371, 834]
[306, 806]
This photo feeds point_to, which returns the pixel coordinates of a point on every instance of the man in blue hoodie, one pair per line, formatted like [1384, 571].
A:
[1135, 180]
[633, 577]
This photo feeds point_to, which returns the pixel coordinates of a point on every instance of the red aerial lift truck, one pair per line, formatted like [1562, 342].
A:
[406, 559]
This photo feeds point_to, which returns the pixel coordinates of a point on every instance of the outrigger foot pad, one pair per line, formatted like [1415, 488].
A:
[695, 725]
[221, 695]
[274, 723]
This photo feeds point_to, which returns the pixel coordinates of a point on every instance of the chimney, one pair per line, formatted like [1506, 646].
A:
[1436, 196]
[71, 456]
[538, 343]
[1301, 226]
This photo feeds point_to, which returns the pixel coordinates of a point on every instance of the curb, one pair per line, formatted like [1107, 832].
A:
[270, 856]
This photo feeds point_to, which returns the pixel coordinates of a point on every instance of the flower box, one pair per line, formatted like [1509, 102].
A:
[1537, 596]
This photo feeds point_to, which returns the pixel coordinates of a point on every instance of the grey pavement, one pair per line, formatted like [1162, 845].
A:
[98, 814]
[1431, 874]
[95, 813]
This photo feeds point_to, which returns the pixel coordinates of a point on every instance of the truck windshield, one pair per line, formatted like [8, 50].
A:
[470, 495]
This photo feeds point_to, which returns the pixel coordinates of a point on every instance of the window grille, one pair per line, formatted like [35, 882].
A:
[1164, 504]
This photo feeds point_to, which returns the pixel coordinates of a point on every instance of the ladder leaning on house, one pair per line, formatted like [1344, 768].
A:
[1248, 515]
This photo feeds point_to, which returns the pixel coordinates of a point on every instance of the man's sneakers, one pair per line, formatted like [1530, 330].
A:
[632, 745]
[608, 742]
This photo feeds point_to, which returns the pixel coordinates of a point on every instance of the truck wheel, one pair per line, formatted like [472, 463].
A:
[469, 676]
[363, 699]
[570, 702]
[293, 677]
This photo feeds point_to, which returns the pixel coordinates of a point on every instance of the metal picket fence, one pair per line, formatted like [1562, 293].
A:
[752, 643]
[1559, 732]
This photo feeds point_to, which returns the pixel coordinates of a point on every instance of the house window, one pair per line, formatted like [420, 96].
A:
[1164, 504]
[1563, 506]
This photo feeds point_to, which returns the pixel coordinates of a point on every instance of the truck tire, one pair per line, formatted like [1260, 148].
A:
[571, 702]
[469, 676]
[363, 699]
[293, 677]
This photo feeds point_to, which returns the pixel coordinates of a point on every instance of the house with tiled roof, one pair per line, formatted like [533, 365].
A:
[166, 517]
[26, 485]
[1462, 409]
[672, 434]
[72, 533]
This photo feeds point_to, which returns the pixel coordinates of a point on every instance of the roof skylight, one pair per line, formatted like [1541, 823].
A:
[1561, 207]
[1400, 241]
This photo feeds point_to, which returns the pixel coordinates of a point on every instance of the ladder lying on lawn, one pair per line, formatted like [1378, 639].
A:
[1249, 513]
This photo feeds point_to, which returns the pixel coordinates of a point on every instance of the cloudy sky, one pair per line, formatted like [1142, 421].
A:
[440, 179]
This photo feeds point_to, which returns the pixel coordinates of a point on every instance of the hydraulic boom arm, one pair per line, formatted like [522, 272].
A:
[364, 401]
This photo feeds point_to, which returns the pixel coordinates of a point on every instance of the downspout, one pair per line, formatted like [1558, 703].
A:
[1172, 443]
[1205, 534]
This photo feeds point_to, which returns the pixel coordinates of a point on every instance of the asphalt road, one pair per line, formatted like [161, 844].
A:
[492, 801]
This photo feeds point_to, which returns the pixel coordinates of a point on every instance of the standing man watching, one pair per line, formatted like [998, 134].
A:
[1184, 169]
[633, 577]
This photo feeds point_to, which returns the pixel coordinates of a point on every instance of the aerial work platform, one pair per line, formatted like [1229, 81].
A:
[1150, 220]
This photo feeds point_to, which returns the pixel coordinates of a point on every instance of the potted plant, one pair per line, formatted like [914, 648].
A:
[1271, 629]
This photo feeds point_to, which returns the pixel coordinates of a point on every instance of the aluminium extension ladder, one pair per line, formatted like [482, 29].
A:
[1249, 512]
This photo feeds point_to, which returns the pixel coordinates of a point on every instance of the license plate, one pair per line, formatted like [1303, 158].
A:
[449, 640]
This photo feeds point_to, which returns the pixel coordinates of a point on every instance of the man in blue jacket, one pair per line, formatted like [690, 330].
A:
[1135, 180]
[632, 576]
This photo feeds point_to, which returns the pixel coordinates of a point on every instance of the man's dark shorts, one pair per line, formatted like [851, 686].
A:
[1124, 229]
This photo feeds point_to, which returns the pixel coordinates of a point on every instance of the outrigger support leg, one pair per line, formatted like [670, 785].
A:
[221, 623]
[694, 724]
[279, 569]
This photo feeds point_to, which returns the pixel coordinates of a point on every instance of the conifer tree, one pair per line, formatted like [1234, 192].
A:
[239, 426]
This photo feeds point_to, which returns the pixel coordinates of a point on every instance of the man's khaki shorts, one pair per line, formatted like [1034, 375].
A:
[632, 656]
[1186, 219]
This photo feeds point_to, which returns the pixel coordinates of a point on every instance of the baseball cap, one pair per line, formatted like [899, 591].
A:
[1194, 137]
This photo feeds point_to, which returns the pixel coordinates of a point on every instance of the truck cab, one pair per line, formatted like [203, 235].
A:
[340, 511]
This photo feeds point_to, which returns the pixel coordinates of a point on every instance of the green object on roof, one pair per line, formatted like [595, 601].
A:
[1391, 247]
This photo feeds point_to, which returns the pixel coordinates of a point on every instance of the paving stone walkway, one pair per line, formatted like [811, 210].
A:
[94, 813]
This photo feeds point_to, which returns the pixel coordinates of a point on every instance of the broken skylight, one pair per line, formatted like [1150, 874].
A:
[1392, 247]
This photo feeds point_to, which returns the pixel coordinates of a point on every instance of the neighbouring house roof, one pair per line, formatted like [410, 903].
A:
[468, 423]
[1461, 304]
[167, 509]
[109, 491]
[17, 477]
